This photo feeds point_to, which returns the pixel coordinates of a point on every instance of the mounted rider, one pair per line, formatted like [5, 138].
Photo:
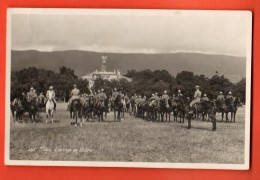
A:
[50, 95]
[115, 93]
[23, 97]
[174, 98]
[197, 96]
[179, 95]
[156, 97]
[221, 97]
[166, 97]
[138, 99]
[84, 97]
[205, 98]
[230, 97]
[74, 94]
[101, 97]
[31, 95]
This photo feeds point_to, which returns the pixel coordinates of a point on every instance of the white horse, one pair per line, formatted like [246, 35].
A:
[49, 110]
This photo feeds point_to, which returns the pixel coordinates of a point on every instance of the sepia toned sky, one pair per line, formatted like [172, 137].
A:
[127, 31]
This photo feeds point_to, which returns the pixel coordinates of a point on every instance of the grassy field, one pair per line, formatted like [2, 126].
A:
[132, 139]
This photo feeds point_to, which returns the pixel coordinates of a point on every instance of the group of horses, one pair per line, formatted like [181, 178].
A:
[159, 110]
[92, 108]
[21, 106]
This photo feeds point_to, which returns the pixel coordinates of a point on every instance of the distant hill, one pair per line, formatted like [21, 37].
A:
[84, 62]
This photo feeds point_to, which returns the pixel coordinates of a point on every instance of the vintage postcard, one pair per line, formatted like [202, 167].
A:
[128, 88]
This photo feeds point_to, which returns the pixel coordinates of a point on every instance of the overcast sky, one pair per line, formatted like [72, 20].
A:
[132, 31]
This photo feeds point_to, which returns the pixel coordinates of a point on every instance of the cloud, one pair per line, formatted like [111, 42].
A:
[212, 33]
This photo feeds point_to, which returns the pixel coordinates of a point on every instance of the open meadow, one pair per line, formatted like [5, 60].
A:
[131, 140]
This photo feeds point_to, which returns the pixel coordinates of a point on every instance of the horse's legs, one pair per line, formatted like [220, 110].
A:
[214, 124]
[189, 122]
[226, 117]
[119, 115]
[162, 114]
[232, 113]
[76, 118]
[52, 117]
[71, 118]
[222, 115]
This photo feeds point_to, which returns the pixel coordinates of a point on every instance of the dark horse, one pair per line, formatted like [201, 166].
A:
[88, 108]
[232, 106]
[17, 109]
[221, 108]
[32, 109]
[41, 104]
[118, 108]
[101, 108]
[209, 107]
[181, 110]
[166, 109]
[76, 112]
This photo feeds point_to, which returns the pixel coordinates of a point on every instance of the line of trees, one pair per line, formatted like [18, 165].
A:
[41, 79]
[147, 82]
[144, 82]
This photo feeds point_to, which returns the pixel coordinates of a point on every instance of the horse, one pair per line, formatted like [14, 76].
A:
[202, 108]
[140, 109]
[180, 109]
[232, 106]
[209, 108]
[118, 108]
[101, 107]
[88, 108]
[49, 110]
[173, 104]
[32, 109]
[153, 109]
[17, 109]
[144, 109]
[221, 108]
[41, 104]
[76, 112]
[165, 109]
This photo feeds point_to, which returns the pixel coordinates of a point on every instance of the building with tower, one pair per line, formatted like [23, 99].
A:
[104, 74]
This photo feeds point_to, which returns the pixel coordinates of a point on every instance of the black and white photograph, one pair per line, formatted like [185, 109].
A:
[128, 88]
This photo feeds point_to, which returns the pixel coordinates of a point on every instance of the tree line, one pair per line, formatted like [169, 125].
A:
[41, 79]
[144, 82]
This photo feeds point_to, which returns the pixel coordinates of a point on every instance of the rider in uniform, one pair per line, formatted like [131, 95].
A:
[197, 96]
[51, 95]
[166, 97]
[230, 96]
[114, 94]
[179, 93]
[156, 97]
[101, 96]
[83, 98]
[205, 98]
[31, 95]
[174, 98]
[221, 97]
[74, 94]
